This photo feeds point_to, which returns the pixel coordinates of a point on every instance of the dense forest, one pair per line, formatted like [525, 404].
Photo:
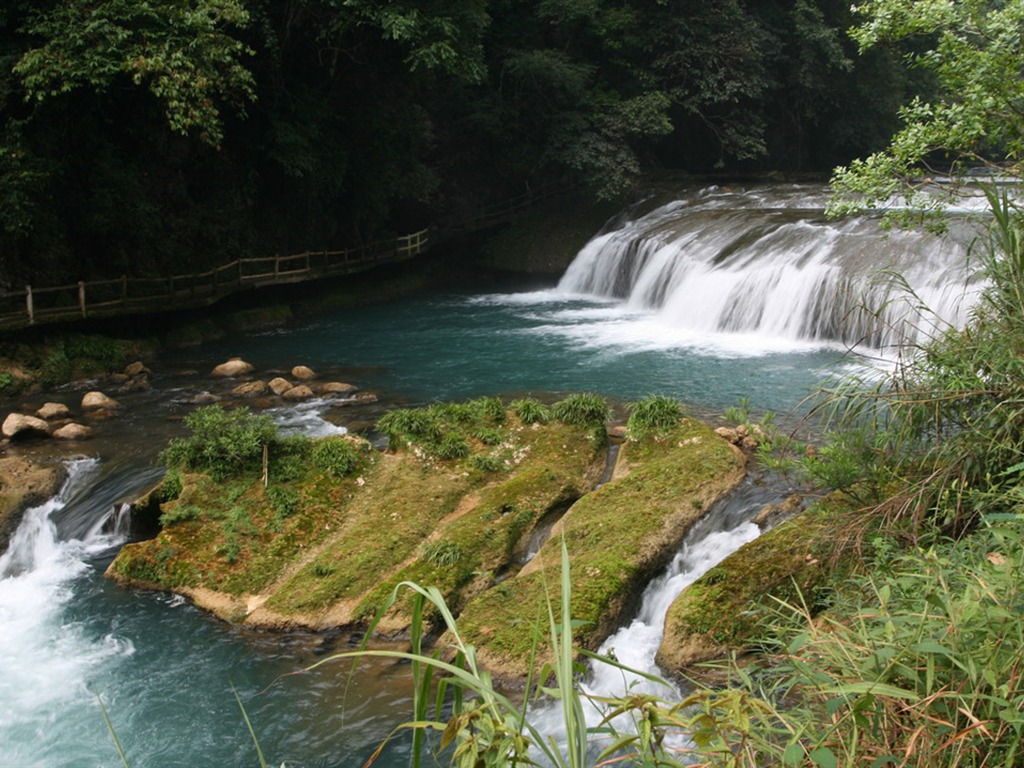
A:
[148, 138]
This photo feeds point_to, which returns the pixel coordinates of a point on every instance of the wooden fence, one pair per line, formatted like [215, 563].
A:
[128, 295]
[138, 295]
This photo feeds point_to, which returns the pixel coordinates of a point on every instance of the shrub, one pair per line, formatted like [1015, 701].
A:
[179, 514]
[336, 456]
[582, 410]
[171, 487]
[654, 415]
[531, 411]
[289, 458]
[222, 443]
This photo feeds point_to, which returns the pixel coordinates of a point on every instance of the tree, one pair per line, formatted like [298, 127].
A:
[974, 49]
[182, 51]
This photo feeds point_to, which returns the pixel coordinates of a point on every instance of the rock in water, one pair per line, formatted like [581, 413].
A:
[93, 401]
[303, 373]
[51, 411]
[233, 367]
[73, 431]
[279, 386]
[18, 425]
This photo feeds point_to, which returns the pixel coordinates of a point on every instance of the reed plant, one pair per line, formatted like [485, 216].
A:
[475, 725]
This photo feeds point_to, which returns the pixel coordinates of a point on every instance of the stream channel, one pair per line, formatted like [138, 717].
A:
[726, 294]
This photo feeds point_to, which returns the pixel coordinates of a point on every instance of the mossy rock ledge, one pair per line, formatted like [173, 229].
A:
[24, 483]
[333, 554]
[618, 538]
[720, 612]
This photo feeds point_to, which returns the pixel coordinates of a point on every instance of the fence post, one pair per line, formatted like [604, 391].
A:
[124, 290]
[277, 266]
[28, 305]
[81, 296]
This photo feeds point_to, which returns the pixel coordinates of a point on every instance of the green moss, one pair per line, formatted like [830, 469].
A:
[617, 538]
[725, 607]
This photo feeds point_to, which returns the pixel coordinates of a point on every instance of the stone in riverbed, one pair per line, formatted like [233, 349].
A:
[19, 425]
[135, 369]
[301, 392]
[73, 431]
[93, 401]
[279, 386]
[250, 389]
[51, 411]
[303, 373]
[233, 367]
[336, 388]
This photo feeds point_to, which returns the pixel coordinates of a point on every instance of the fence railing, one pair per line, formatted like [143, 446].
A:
[138, 295]
[97, 298]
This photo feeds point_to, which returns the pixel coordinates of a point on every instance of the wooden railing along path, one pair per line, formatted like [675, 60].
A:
[129, 295]
[137, 295]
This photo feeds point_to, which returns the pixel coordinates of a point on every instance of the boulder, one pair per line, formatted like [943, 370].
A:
[719, 613]
[279, 386]
[301, 392]
[233, 367]
[203, 398]
[303, 373]
[73, 431]
[250, 389]
[136, 384]
[771, 514]
[93, 401]
[18, 425]
[336, 388]
[135, 369]
[51, 411]
[617, 431]
[731, 435]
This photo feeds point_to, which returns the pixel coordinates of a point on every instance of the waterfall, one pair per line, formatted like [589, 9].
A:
[769, 263]
[721, 532]
[46, 660]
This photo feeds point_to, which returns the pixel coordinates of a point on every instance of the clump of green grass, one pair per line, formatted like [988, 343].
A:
[531, 411]
[451, 446]
[654, 415]
[405, 425]
[582, 410]
[443, 553]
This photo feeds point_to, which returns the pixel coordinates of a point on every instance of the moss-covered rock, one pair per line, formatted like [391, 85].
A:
[24, 483]
[721, 611]
[618, 538]
[322, 550]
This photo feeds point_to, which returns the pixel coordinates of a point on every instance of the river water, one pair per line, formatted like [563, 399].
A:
[651, 306]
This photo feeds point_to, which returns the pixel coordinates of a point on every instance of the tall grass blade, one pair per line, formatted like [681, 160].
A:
[113, 733]
[252, 732]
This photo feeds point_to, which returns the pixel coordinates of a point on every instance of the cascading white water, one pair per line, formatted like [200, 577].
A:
[636, 644]
[768, 263]
[45, 661]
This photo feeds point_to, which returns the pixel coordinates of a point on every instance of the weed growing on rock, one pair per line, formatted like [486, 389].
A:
[654, 416]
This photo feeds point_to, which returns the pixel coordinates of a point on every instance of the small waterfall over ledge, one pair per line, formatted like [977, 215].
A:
[767, 262]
